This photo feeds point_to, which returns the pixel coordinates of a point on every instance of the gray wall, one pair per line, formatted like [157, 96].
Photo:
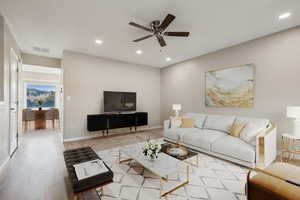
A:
[85, 78]
[1, 58]
[9, 42]
[277, 80]
[41, 60]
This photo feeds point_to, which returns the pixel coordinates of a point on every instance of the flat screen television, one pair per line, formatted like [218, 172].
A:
[119, 101]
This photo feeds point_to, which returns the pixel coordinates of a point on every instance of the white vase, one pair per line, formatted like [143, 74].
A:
[151, 159]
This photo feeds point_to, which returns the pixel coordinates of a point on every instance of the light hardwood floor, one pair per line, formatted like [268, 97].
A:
[37, 170]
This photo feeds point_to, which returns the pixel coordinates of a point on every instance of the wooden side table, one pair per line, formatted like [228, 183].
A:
[40, 119]
[289, 147]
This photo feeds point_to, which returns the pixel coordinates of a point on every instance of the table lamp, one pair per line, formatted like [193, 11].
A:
[294, 112]
[176, 108]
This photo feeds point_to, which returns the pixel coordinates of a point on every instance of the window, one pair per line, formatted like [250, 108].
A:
[40, 96]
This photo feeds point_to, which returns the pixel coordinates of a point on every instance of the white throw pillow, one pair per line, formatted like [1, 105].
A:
[261, 122]
[250, 132]
[219, 122]
[199, 122]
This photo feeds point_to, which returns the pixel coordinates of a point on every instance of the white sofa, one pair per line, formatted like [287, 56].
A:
[211, 135]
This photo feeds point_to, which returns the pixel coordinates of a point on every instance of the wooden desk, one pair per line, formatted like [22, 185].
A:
[40, 119]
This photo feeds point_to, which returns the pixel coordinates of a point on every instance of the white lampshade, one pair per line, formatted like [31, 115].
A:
[176, 106]
[293, 112]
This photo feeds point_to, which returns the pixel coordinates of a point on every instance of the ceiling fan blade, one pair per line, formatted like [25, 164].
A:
[161, 40]
[167, 21]
[140, 26]
[177, 34]
[143, 38]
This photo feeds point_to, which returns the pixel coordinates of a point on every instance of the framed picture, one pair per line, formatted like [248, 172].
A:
[40, 96]
[231, 87]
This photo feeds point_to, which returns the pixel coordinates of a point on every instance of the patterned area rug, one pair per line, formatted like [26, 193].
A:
[214, 179]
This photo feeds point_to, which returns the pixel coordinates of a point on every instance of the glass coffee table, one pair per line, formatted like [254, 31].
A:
[180, 152]
[164, 166]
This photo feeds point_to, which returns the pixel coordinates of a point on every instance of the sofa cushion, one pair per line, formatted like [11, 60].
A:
[202, 138]
[219, 122]
[259, 122]
[235, 148]
[174, 133]
[199, 119]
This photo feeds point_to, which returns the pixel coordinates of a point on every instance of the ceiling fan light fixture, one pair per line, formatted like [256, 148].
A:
[168, 59]
[139, 52]
[98, 41]
[284, 16]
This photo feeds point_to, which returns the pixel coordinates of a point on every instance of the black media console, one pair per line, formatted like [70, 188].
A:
[104, 122]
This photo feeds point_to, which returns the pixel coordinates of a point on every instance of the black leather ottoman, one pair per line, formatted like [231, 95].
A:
[80, 155]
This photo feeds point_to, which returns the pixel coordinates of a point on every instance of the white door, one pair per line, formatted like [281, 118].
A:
[13, 103]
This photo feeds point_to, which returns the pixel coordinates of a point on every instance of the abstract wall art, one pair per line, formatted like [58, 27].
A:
[231, 87]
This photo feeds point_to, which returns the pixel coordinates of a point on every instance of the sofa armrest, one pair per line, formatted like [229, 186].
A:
[167, 124]
[275, 182]
[266, 147]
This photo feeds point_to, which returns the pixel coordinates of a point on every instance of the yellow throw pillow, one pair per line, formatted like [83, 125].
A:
[187, 123]
[236, 130]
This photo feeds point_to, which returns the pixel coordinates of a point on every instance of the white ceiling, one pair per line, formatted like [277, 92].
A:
[75, 24]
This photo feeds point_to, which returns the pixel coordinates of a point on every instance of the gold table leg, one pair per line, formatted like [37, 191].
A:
[194, 164]
[122, 161]
[177, 187]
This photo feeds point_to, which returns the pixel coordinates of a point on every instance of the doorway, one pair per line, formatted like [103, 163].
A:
[41, 99]
[13, 102]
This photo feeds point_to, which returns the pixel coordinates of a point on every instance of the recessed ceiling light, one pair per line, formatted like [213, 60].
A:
[284, 15]
[98, 41]
[168, 59]
[139, 52]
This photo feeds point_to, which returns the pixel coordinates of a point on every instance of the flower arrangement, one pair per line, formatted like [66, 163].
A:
[151, 149]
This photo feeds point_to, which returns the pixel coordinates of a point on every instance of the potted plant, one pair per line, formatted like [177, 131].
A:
[151, 149]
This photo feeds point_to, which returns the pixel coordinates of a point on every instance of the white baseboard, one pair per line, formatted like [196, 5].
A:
[3, 168]
[100, 135]
[82, 138]
[151, 127]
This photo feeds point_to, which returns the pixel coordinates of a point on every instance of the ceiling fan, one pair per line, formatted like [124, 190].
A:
[158, 28]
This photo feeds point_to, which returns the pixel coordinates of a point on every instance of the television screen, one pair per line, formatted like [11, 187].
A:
[119, 101]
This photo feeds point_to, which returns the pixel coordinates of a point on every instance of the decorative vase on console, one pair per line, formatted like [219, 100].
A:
[151, 150]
